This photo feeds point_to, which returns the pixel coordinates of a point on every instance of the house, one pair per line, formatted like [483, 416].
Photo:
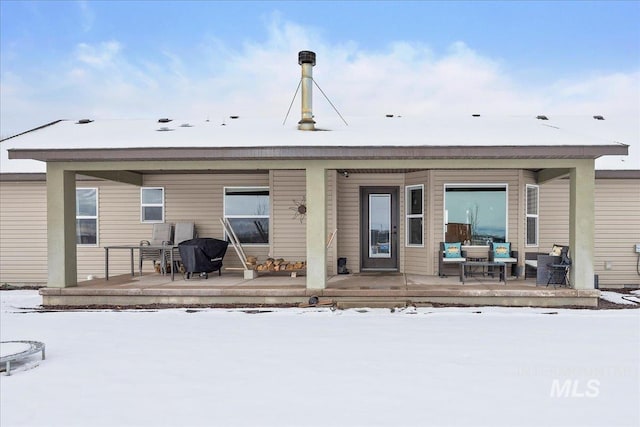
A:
[390, 185]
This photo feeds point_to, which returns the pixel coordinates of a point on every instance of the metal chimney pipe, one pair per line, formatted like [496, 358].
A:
[307, 60]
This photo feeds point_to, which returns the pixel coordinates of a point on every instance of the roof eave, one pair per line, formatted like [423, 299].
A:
[319, 152]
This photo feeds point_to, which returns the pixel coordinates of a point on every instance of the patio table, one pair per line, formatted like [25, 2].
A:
[490, 264]
[132, 248]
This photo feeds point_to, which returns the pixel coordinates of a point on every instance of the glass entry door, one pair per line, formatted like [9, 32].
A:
[379, 231]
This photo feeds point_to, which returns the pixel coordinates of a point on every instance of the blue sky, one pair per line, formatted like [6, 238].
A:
[117, 59]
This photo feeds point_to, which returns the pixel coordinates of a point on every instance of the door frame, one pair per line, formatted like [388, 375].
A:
[379, 264]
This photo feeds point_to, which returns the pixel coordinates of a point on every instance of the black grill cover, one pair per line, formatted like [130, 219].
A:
[197, 254]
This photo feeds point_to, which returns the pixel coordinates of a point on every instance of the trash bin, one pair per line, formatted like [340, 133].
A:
[342, 266]
[517, 270]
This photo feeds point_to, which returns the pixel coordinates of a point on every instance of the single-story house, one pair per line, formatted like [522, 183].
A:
[393, 186]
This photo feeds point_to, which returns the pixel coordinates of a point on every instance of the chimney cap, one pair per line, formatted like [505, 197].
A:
[306, 57]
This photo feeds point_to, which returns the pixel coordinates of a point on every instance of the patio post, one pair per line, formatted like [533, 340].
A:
[582, 224]
[316, 227]
[61, 227]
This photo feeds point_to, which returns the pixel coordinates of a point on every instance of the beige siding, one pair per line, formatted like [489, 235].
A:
[196, 197]
[617, 231]
[23, 232]
[199, 198]
[416, 258]
[617, 216]
[508, 176]
[288, 233]
[349, 213]
[554, 214]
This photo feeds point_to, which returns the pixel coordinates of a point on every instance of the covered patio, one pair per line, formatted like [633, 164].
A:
[379, 289]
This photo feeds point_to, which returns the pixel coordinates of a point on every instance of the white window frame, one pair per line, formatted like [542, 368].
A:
[268, 215]
[445, 215]
[409, 216]
[529, 215]
[144, 205]
[95, 217]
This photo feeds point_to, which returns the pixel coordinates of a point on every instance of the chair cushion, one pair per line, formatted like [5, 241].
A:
[452, 250]
[459, 259]
[531, 263]
[556, 250]
[506, 260]
[501, 250]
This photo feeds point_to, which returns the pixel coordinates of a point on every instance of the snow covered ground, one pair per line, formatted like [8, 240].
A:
[303, 367]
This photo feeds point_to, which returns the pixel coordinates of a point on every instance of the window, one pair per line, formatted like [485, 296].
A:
[247, 209]
[532, 214]
[152, 204]
[476, 212]
[415, 215]
[87, 216]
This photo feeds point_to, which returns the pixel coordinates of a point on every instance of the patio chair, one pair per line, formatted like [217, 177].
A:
[161, 235]
[182, 231]
[501, 252]
[558, 272]
[537, 263]
[450, 254]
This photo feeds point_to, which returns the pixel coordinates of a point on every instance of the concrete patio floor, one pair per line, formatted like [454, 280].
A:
[352, 290]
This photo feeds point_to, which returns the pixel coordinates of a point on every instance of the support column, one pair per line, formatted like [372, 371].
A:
[316, 227]
[582, 224]
[61, 227]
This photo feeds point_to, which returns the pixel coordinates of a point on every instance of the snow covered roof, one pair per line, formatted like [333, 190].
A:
[380, 133]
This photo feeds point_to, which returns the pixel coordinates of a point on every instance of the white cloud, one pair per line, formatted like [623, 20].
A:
[86, 15]
[106, 80]
[99, 56]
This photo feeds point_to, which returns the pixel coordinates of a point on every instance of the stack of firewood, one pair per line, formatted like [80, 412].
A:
[272, 264]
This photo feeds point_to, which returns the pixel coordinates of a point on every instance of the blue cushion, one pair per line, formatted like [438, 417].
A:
[502, 250]
[453, 250]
